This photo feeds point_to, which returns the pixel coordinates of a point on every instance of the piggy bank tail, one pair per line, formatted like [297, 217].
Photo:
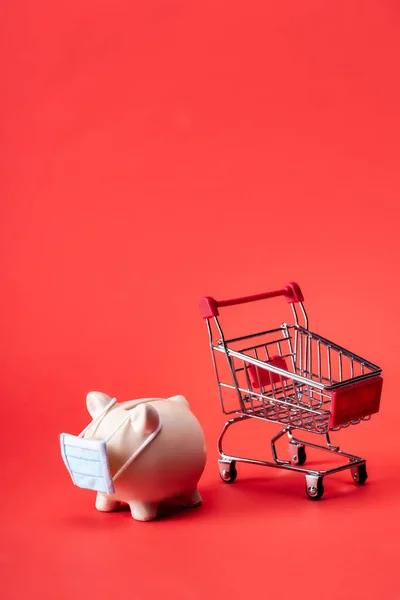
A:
[179, 399]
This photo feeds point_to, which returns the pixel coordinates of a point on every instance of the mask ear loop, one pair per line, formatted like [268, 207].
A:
[139, 450]
[141, 447]
[98, 419]
[118, 428]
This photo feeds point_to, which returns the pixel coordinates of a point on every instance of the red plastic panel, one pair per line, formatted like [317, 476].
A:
[265, 377]
[356, 401]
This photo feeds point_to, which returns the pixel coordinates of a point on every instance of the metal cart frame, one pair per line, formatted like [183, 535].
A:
[309, 384]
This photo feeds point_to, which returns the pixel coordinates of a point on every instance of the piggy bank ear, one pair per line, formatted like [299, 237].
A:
[179, 399]
[96, 403]
[144, 419]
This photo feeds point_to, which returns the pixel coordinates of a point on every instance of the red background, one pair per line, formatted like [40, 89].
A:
[155, 152]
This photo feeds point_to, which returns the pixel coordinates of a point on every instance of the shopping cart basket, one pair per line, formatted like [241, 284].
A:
[293, 377]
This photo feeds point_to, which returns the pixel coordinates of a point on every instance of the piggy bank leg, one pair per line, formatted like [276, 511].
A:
[143, 511]
[190, 499]
[105, 504]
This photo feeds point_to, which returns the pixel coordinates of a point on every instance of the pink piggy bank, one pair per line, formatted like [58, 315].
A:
[141, 452]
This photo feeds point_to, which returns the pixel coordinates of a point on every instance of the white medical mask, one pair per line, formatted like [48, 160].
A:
[87, 459]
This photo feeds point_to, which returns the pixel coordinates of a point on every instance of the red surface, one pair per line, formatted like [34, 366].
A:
[152, 153]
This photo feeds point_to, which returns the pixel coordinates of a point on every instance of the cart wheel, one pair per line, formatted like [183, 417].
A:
[302, 456]
[360, 474]
[227, 472]
[299, 455]
[315, 489]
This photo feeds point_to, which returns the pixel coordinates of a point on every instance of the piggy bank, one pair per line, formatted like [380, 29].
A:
[141, 452]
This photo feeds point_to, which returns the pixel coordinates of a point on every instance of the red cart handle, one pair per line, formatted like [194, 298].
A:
[209, 306]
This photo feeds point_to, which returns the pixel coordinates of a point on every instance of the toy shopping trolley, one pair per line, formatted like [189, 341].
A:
[295, 378]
